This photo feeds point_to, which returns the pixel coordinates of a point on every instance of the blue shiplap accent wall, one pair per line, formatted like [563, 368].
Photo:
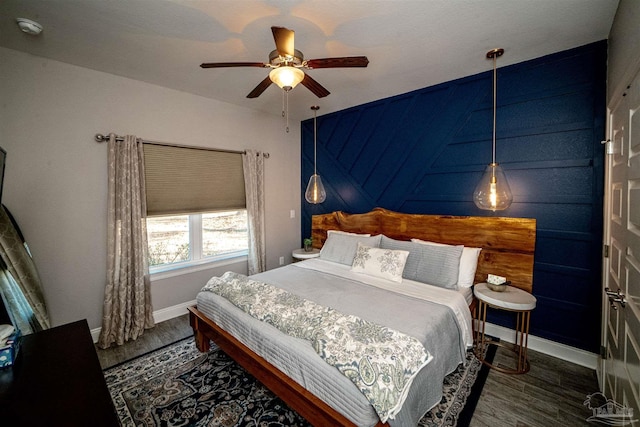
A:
[424, 151]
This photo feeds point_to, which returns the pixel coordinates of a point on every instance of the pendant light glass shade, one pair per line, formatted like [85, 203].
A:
[315, 190]
[493, 191]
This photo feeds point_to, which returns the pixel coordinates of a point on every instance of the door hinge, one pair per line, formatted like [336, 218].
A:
[603, 352]
[605, 251]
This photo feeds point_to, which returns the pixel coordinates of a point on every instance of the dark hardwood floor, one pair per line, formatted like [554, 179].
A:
[551, 394]
[162, 334]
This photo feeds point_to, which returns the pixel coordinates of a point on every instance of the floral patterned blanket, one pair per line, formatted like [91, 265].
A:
[380, 361]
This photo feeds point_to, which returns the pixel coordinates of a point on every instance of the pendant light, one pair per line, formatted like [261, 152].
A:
[493, 192]
[315, 190]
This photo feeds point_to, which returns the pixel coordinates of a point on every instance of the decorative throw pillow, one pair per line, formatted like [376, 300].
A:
[385, 263]
[433, 265]
[341, 248]
[468, 263]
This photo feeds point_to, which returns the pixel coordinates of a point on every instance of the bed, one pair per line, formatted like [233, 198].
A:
[439, 317]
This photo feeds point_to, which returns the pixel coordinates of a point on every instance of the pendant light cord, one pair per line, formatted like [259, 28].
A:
[315, 109]
[493, 157]
[315, 132]
[494, 54]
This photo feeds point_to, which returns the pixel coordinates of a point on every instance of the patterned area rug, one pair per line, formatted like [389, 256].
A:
[179, 386]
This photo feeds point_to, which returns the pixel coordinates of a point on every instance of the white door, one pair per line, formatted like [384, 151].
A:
[620, 368]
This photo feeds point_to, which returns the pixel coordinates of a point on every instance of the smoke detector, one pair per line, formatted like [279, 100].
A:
[28, 26]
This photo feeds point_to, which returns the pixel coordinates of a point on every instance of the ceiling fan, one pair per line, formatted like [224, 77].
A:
[287, 64]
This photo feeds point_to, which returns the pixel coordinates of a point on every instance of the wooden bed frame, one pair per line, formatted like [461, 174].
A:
[507, 244]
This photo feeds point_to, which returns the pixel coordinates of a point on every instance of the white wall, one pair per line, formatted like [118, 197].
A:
[624, 39]
[56, 175]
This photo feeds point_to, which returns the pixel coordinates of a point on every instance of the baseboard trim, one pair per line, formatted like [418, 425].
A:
[158, 316]
[551, 348]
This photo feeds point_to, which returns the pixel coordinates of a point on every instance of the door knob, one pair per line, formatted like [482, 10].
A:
[614, 297]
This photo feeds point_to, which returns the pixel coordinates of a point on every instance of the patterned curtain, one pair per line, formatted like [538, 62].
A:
[127, 308]
[20, 285]
[253, 167]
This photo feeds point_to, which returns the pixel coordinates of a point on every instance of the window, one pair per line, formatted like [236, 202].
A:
[224, 232]
[183, 240]
[196, 206]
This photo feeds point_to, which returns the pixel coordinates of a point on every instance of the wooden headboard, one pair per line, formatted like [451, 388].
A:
[507, 244]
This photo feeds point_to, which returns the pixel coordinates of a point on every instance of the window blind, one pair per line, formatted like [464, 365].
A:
[183, 180]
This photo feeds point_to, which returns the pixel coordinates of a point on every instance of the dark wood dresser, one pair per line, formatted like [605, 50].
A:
[56, 381]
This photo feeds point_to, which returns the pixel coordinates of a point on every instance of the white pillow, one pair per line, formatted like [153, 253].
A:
[347, 233]
[468, 263]
[385, 263]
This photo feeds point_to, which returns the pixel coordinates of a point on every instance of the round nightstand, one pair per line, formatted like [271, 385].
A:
[300, 254]
[511, 299]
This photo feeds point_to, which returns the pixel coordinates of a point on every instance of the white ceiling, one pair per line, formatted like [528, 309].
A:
[410, 44]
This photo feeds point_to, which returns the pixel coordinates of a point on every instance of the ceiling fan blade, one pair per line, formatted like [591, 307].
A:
[262, 86]
[232, 64]
[284, 41]
[314, 86]
[347, 61]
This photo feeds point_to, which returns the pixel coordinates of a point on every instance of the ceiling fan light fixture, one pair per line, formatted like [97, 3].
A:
[286, 77]
[287, 63]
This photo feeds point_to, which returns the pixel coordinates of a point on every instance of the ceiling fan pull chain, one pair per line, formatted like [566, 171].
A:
[283, 92]
[287, 109]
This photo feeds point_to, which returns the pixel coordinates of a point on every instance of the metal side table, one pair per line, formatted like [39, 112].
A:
[511, 299]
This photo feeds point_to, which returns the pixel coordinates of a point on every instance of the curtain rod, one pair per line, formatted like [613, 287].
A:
[103, 138]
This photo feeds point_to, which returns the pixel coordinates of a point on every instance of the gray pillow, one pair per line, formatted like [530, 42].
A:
[341, 248]
[434, 265]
